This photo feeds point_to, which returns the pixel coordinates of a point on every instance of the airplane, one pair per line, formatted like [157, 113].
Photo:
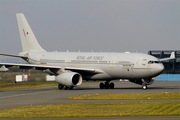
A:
[71, 68]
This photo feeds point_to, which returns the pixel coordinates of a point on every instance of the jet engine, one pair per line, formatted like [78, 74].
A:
[69, 79]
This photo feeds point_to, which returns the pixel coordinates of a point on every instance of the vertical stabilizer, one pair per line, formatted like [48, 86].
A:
[28, 40]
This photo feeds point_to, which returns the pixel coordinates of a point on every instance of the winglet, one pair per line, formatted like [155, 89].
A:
[24, 57]
[172, 57]
[3, 69]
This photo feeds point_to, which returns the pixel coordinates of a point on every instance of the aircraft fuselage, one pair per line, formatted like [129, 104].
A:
[112, 65]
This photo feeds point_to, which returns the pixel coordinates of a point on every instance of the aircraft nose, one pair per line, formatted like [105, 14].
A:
[159, 68]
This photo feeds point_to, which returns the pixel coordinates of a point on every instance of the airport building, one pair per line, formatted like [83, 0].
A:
[171, 66]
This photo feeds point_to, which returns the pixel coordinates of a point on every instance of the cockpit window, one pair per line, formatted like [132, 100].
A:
[154, 62]
[150, 62]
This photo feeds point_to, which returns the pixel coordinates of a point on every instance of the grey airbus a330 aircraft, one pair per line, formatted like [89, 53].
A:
[70, 68]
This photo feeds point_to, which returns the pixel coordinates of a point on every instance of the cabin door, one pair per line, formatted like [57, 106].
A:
[38, 59]
[137, 63]
[66, 62]
[112, 62]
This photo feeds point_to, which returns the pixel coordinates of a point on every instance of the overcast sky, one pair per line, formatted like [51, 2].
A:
[98, 25]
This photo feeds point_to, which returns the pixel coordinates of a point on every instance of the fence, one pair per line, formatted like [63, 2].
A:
[168, 77]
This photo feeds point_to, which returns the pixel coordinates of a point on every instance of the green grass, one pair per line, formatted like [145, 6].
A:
[165, 95]
[10, 76]
[26, 84]
[94, 109]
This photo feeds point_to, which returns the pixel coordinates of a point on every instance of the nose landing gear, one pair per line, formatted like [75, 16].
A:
[144, 84]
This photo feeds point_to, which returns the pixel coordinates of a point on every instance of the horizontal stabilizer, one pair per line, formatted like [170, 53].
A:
[14, 55]
[172, 57]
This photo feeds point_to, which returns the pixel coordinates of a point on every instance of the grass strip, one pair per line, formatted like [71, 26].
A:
[165, 95]
[26, 84]
[94, 110]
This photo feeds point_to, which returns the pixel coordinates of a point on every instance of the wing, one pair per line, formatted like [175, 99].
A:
[52, 68]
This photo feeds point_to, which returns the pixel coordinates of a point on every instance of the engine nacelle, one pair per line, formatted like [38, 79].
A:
[69, 79]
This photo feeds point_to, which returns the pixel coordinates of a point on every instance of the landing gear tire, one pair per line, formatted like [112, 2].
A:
[144, 87]
[63, 87]
[101, 85]
[71, 88]
[111, 85]
[60, 87]
[106, 85]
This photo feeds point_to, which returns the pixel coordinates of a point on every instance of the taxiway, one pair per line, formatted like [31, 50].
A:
[51, 94]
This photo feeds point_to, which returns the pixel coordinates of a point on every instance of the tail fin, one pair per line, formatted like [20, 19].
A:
[28, 40]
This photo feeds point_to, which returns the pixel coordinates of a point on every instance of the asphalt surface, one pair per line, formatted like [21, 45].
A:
[51, 95]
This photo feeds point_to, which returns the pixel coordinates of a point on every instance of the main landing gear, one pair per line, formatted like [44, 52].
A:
[106, 85]
[63, 87]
